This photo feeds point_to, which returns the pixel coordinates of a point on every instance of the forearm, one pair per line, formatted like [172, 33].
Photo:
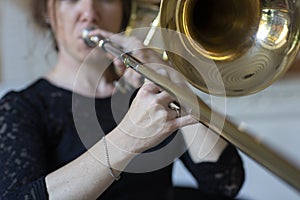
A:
[203, 145]
[88, 176]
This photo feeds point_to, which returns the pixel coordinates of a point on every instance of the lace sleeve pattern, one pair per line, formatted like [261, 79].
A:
[222, 178]
[22, 158]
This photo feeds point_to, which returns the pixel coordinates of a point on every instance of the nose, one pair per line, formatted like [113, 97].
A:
[89, 13]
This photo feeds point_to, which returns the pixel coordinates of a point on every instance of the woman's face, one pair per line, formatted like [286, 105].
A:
[70, 17]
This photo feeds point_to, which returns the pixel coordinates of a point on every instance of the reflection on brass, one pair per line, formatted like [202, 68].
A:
[252, 43]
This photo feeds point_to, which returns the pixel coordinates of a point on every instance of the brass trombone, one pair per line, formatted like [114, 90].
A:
[252, 43]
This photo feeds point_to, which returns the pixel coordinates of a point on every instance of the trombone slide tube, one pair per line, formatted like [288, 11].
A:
[244, 141]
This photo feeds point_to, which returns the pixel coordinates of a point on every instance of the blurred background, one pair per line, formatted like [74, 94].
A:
[272, 116]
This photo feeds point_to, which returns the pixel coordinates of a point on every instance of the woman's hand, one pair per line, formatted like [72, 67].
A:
[136, 49]
[150, 118]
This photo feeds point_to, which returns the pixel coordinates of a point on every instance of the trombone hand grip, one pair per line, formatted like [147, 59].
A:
[244, 141]
[260, 152]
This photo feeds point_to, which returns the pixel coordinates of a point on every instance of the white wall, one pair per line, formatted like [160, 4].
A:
[273, 115]
[24, 55]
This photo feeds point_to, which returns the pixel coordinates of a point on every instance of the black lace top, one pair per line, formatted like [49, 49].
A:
[38, 135]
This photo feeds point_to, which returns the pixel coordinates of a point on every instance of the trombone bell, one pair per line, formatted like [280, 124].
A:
[252, 42]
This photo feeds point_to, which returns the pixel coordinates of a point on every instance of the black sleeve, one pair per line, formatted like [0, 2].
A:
[221, 179]
[22, 150]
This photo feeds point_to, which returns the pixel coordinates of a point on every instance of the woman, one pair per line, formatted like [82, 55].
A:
[46, 154]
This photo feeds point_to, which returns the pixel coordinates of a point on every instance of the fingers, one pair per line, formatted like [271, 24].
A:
[164, 99]
[127, 43]
[151, 87]
[184, 121]
[168, 101]
[134, 79]
[130, 44]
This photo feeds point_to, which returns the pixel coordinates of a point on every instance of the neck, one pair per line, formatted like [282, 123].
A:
[85, 78]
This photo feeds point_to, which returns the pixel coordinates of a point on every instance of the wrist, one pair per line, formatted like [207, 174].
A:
[117, 148]
[113, 157]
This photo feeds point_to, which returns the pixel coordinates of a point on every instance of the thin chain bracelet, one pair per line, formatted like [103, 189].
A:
[107, 160]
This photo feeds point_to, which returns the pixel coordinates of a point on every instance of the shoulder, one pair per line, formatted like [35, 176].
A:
[17, 94]
[22, 100]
